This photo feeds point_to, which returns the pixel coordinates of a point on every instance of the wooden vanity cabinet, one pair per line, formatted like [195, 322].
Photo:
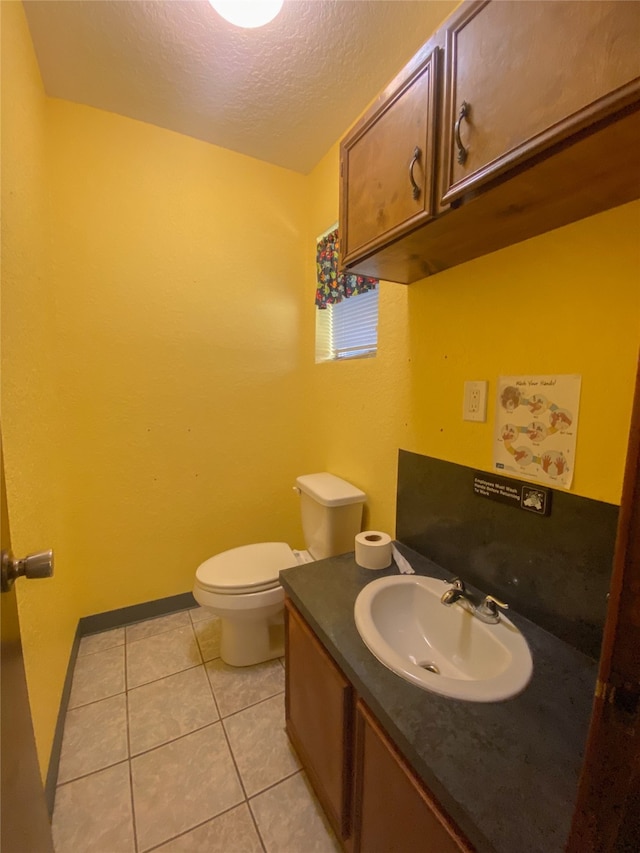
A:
[394, 812]
[531, 75]
[372, 798]
[319, 706]
[387, 165]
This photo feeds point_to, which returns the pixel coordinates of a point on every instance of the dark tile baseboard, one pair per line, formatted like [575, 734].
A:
[136, 613]
[94, 625]
[56, 747]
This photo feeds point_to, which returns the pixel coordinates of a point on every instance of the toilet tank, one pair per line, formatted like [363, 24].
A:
[331, 512]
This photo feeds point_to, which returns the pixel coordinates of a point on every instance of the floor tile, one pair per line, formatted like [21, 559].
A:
[237, 687]
[187, 794]
[199, 613]
[97, 676]
[166, 709]
[95, 736]
[231, 832]
[151, 627]
[100, 642]
[260, 745]
[182, 784]
[93, 814]
[208, 635]
[161, 655]
[289, 818]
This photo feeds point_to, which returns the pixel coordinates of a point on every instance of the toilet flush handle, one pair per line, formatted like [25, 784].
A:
[297, 490]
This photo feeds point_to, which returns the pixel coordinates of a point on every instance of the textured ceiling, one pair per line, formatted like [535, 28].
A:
[283, 93]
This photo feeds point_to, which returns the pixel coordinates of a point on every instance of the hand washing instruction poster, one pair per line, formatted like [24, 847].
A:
[536, 427]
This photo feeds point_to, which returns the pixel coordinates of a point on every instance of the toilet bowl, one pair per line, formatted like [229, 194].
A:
[242, 585]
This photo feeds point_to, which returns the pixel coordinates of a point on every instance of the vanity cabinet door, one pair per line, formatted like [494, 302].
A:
[319, 719]
[394, 813]
[387, 165]
[523, 77]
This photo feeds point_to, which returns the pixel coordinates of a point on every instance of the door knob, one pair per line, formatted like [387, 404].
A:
[38, 565]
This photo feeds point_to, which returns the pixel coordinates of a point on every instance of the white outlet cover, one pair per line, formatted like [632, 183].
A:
[475, 401]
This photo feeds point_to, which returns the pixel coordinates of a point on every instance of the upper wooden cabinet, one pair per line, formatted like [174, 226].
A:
[387, 165]
[535, 123]
[521, 77]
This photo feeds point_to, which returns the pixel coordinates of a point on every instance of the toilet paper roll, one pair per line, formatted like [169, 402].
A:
[373, 550]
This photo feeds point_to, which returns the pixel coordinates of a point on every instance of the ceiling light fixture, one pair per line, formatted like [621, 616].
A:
[247, 13]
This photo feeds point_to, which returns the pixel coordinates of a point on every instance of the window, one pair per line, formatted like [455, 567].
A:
[346, 326]
[348, 329]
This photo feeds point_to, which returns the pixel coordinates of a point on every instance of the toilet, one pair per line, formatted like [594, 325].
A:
[241, 585]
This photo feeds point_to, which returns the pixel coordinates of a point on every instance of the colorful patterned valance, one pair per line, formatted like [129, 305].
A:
[334, 287]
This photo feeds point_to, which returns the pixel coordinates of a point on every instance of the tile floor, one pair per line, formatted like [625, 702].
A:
[167, 748]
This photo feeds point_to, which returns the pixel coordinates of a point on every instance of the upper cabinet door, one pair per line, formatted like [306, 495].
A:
[387, 165]
[522, 77]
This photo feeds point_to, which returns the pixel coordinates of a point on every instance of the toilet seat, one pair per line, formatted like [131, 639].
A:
[247, 569]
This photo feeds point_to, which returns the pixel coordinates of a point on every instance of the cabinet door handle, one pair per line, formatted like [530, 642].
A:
[465, 109]
[417, 153]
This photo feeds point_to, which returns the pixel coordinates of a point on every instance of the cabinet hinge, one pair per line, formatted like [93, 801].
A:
[625, 697]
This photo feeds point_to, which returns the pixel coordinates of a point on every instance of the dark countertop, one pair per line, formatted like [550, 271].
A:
[506, 772]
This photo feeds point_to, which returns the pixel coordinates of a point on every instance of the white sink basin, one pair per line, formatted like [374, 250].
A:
[404, 624]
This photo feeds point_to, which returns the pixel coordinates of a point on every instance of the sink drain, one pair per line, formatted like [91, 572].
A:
[430, 667]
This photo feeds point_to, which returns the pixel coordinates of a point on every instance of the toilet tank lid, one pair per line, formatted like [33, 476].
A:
[329, 490]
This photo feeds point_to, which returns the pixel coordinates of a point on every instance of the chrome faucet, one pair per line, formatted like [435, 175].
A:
[456, 593]
[486, 610]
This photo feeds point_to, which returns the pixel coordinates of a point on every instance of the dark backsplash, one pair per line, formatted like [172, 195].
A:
[555, 570]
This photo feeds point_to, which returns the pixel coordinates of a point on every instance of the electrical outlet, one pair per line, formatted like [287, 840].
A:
[475, 401]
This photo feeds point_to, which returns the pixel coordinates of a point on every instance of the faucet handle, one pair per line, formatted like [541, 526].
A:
[490, 605]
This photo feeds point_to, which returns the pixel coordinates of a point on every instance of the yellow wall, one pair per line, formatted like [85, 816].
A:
[155, 409]
[177, 268]
[564, 302]
[168, 395]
